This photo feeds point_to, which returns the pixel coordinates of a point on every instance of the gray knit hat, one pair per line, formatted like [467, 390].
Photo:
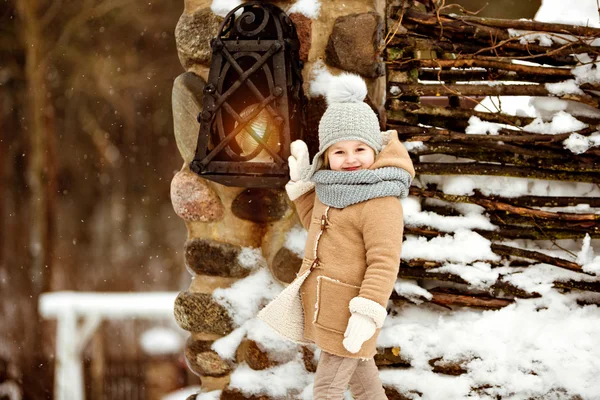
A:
[347, 117]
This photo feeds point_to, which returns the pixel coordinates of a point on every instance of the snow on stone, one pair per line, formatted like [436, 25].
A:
[409, 289]
[251, 258]
[465, 247]
[319, 85]
[222, 7]
[247, 296]
[160, 340]
[278, 348]
[413, 216]
[565, 87]
[562, 122]
[579, 144]
[479, 275]
[308, 8]
[243, 300]
[280, 381]
[295, 240]
[226, 346]
[522, 351]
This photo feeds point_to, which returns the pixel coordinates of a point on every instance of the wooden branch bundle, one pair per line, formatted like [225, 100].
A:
[411, 113]
[513, 232]
[413, 43]
[517, 137]
[503, 250]
[525, 25]
[499, 170]
[519, 227]
[540, 229]
[544, 201]
[485, 90]
[519, 148]
[482, 62]
[474, 75]
[417, 273]
[531, 232]
[448, 298]
[512, 226]
[535, 255]
[493, 204]
[494, 38]
[454, 118]
[542, 160]
[471, 49]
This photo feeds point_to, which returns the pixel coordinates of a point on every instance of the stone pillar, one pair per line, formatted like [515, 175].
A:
[224, 221]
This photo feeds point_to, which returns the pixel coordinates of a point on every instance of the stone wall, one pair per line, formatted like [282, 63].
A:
[225, 222]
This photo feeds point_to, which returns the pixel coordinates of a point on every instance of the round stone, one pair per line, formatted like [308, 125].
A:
[186, 101]
[198, 312]
[249, 352]
[286, 265]
[192, 36]
[203, 361]
[260, 205]
[211, 257]
[193, 200]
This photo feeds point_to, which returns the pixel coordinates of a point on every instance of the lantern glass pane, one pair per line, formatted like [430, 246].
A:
[263, 126]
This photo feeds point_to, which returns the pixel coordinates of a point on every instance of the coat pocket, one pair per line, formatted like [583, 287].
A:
[333, 299]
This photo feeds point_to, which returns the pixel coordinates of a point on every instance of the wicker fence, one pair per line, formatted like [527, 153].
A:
[434, 54]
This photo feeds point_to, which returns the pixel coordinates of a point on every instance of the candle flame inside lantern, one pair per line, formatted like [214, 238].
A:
[260, 124]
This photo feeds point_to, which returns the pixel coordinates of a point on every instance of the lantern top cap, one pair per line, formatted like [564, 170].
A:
[258, 20]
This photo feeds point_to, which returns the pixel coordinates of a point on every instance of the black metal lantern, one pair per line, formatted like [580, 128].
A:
[253, 102]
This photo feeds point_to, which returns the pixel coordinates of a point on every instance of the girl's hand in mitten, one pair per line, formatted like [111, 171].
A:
[299, 163]
[299, 160]
[360, 329]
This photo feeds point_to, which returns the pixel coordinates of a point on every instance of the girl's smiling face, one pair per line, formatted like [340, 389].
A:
[350, 155]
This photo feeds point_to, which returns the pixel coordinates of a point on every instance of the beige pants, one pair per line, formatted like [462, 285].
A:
[334, 373]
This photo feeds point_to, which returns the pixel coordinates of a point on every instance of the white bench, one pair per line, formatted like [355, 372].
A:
[78, 316]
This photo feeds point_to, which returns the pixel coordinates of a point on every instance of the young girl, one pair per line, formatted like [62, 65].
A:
[348, 200]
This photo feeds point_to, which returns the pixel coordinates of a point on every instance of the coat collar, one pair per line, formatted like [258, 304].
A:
[394, 154]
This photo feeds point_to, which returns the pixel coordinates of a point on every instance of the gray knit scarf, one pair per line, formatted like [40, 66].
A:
[340, 189]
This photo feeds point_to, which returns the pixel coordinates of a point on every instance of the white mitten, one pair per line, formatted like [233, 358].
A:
[360, 329]
[298, 162]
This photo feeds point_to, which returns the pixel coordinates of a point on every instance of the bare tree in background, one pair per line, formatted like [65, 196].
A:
[86, 158]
